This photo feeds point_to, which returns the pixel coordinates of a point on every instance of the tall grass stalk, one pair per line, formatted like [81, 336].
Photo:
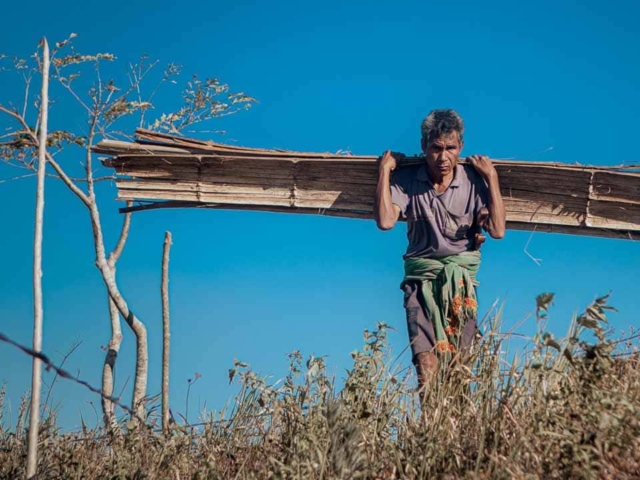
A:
[563, 408]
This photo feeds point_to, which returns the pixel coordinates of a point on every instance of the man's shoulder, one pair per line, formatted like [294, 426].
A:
[471, 175]
[405, 175]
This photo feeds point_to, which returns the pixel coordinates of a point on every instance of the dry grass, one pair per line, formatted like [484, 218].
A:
[571, 409]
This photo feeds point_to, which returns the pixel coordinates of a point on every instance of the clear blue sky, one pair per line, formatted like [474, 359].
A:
[536, 81]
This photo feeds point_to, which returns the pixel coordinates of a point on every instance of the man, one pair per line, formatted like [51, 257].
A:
[446, 205]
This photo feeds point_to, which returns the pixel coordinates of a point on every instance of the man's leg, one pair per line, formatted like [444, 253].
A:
[468, 340]
[426, 364]
[464, 356]
[421, 336]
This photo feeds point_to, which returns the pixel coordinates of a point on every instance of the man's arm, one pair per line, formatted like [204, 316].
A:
[385, 212]
[497, 221]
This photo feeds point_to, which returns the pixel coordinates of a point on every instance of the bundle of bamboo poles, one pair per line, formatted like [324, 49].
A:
[164, 171]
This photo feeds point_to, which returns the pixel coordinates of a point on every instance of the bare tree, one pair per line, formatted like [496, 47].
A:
[109, 111]
[36, 375]
[166, 332]
[113, 348]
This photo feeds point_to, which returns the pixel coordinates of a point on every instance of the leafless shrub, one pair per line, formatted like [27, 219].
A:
[109, 107]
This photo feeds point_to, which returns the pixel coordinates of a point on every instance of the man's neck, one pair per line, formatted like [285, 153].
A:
[441, 182]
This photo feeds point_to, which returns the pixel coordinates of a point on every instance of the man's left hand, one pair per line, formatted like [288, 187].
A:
[484, 166]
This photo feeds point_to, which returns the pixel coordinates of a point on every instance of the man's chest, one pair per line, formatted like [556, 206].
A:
[451, 212]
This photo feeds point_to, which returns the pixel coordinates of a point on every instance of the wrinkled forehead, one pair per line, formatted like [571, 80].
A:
[446, 139]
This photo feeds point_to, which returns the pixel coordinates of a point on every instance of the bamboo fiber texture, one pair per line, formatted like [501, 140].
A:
[164, 171]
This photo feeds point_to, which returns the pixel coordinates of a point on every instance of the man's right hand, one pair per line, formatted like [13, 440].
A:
[389, 160]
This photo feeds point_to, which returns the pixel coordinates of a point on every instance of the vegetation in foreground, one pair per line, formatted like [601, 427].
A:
[570, 409]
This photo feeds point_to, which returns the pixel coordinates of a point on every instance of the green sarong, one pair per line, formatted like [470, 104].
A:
[448, 291]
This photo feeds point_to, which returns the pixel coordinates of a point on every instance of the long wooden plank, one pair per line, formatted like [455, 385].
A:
[540, 179]
[517, 209]
[255, 185]
[200, 148]
[511, 225]
[546, 196]
[529, 205]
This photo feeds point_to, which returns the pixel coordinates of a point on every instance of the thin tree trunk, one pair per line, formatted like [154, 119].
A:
[166, 332]
[142, 365]
[139, 330]
[108, 371]
[36, 377]
[107, 269]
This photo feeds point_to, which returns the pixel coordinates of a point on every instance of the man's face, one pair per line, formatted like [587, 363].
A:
[442, 153]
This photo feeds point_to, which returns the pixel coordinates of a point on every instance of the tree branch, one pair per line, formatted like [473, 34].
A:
[26, 96]
[65, 374]
[89, 154]
[52, 175]
[34, 139]
[68, 182]
[124, 233]
[19, 177]
[73, 348]
[15, 115]
[67, 86]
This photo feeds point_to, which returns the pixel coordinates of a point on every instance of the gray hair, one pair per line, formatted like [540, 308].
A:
[441, 122]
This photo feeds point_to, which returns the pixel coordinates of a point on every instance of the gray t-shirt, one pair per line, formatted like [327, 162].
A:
[438, 225]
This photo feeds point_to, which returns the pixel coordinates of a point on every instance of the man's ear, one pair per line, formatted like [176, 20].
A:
[423, 145]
